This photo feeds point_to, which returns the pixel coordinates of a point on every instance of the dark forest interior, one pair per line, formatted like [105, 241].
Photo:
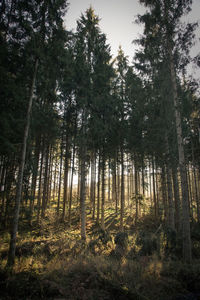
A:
[99, 157]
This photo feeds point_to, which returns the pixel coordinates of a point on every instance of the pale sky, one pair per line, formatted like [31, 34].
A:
[117, 18]
[117, 21]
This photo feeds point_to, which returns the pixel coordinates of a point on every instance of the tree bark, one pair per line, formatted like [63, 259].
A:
[136, 193]
[93, 182]
[164, 193]
[83, 177]
[45, 184]
[40, 186]
[82, 197]
[122, 191]
[98, 189]
[187, 253]
[177, 198]
[103, 192]
[11, 253]
[154, 189]
[71, 184]
[60, 176]
[66, 170]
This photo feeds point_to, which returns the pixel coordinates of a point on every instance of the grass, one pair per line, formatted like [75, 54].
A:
[53, 263]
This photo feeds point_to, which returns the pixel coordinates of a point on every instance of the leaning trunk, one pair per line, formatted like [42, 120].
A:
[11, 254]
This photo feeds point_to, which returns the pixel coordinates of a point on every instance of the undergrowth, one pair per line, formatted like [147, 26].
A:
[52, 262]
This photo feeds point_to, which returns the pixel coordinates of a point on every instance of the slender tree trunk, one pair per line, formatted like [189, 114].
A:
[131, 184]
[177, 198]
[82, 196]
[93, 182]
[45, 184]
[66, 172]
[143, 177]
[164, 193]
[196, 194]
[157, 191]
[60, 176]
[122, 191]
[136, 193]
[118, 180]
[170, 199]
[71, 186]
[154, 189]
[109, 184]
[11, 253]
[83, 177]
[128, 182]
[55, 179]
[190, 193]
[49, 178]
[2, 188]
[98, 190]
[40, 186]
[114, 186]
[150, 184]
[103, 192]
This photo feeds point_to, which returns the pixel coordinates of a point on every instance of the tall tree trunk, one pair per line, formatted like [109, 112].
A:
[93, 182]
[60, 176]
[103, 191]
[2, 187]
[164, 193]
[71, 185]
[136, 192]
[45, 184]
[82, 195]
[128, 182]
[157, 191]
[143, 177]
[55, 179]
[50, 178]
[83, 154]
[109, 184]
[150, 184]
[98, 189]
[154, 189]
[190, 193]
[66, 171]
[176, 197]
[114, 186]
[40, 185]
[118, 180]
[196, 194]
[187, 252]
[196, 184]
[122, 191]
[11, 253]
[170, 199]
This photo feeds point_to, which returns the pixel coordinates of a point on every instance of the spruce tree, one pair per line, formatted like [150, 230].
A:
[162, 24]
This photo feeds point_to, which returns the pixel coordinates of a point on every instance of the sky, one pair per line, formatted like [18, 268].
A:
[117, 21]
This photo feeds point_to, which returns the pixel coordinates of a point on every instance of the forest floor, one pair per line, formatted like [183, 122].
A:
[141, 263]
